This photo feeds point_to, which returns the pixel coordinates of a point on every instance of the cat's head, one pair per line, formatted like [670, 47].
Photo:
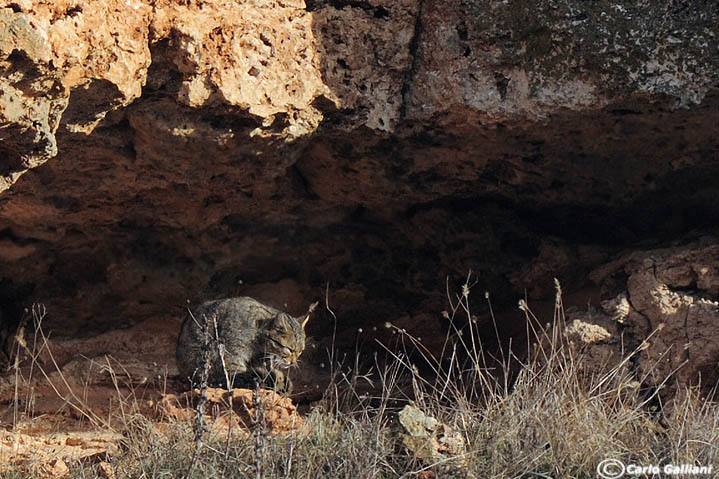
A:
[286, 339]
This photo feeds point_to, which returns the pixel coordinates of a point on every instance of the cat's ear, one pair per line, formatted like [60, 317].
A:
[309, 313]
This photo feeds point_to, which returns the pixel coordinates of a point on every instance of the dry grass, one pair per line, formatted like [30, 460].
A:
[550, 418]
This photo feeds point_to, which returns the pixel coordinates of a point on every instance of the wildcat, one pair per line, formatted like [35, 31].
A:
[258, 343]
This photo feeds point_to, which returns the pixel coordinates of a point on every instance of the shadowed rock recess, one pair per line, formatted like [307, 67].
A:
[369, 153]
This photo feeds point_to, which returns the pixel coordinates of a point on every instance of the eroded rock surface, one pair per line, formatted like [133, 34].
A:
[664, 303]
[369, 153]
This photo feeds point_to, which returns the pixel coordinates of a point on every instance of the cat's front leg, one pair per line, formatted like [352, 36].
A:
[283, 384]
[263, 375]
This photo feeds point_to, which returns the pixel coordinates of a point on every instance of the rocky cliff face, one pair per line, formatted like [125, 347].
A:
[154, 152]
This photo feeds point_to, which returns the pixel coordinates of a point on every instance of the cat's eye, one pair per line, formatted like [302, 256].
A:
[281, 347]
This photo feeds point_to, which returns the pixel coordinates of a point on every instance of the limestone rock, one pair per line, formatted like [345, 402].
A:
[260, 56]
[666, 305]
[520, 59]
[65, 62]
[429, 439]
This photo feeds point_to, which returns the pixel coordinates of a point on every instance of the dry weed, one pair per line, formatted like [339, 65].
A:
[541, 415]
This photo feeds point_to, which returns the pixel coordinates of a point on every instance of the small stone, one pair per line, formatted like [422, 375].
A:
[56, 469]
[106, 470]
[429, 439]
[74, 441]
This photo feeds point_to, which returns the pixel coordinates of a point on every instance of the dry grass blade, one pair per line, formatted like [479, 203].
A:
[546, 418]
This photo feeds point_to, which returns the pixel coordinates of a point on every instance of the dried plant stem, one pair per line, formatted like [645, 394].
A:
[199, 424]
[259, 432]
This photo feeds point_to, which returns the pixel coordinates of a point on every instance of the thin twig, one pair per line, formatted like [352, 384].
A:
[199, 424]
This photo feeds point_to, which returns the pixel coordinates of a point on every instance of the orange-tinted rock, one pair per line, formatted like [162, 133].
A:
[273, 412]
[46, 453]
